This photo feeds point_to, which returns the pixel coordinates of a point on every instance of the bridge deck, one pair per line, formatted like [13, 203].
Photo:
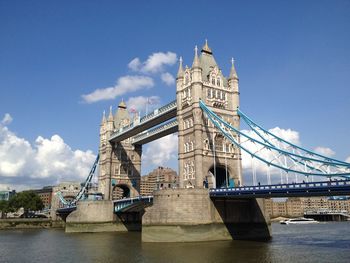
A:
[331, 188]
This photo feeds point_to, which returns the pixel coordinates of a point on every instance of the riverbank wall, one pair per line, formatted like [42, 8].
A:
[29, 223]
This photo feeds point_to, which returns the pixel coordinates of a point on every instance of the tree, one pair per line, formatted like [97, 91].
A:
[5, 208]
[29, 200]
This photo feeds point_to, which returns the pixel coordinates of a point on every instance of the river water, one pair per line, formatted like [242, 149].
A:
[324, 242]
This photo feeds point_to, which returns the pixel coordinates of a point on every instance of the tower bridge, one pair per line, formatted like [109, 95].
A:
[207, 118]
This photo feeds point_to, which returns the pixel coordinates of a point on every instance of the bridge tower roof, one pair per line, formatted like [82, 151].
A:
[121, 115]
[208, 63]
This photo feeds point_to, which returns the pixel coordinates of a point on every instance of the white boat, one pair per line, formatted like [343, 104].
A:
[299, 220]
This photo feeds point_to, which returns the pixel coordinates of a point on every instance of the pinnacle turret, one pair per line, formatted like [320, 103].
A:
[195, 63]
[104, 120]
[180, 72]
[110, 116]
[233, 73]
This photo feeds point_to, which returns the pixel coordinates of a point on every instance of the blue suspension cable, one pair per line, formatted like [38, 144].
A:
[82, 190]
[211, 115]
[206, 109]
[247, 119]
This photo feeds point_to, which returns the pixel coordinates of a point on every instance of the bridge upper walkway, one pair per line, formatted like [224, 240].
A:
[158, 116]
[156, 133]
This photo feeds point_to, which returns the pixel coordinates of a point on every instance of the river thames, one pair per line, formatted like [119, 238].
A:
[323, 242]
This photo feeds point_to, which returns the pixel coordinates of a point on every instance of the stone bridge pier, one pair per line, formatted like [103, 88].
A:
[189, 215]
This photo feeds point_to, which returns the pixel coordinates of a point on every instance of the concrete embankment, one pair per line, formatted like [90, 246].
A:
[29, 223]
[98, 216]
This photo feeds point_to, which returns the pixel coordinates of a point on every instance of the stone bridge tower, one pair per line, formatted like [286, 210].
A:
[198, 162]
[189, 213]
[120, 163]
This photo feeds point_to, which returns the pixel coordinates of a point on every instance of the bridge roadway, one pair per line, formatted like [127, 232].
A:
[158, 116]
[324, 188]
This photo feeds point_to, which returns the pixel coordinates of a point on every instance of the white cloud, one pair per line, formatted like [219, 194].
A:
[134, 64]
[7, 119]
[324, 151]
[167, 78]
[140, 103]
[155, 62]
[124, 85]
[45, 162]
[161, 151]
[347, 160]
[261, 168]
[286, 134]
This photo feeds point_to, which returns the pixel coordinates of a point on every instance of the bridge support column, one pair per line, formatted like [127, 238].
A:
[98, 216]
[189, 215]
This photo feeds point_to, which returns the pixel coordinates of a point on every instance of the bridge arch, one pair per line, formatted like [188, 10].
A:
[121, 191]
[219, 176]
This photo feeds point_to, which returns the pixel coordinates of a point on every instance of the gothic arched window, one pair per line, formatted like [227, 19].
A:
[213, 81]
[218, 82]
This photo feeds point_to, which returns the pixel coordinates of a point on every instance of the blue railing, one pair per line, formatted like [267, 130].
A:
[123, 204]
[341, 187]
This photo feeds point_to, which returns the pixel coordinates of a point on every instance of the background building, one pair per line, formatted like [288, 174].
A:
[6, 194]
[45, 195]
[294, 207]
[68, 190]
[160, 178]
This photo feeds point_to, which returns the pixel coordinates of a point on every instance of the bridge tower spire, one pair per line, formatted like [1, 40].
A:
[205, 81]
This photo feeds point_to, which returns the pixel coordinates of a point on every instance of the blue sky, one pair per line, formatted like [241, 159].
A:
[292, 58]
